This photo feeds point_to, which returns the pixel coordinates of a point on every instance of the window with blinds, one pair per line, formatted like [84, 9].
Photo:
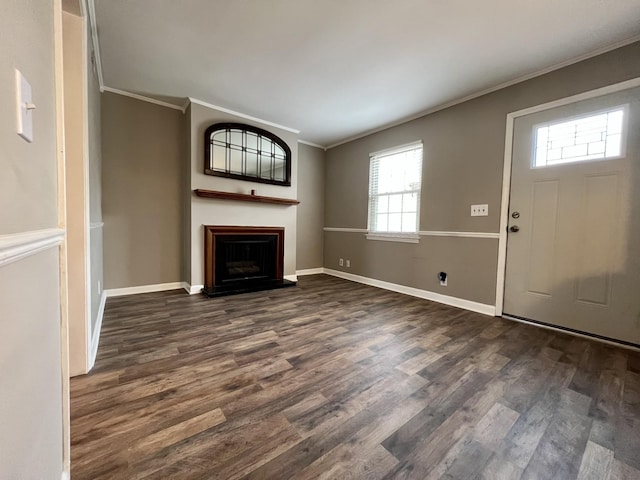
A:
[394, 190]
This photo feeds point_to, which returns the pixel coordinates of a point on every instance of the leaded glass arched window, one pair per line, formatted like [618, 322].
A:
[245, 152]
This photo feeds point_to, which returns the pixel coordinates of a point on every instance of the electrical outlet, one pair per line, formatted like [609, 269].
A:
[341, 262]
[480, 210]
[348, 263]
[442, 276]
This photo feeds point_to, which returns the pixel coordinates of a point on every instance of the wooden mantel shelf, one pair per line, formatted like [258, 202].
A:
[244, 197]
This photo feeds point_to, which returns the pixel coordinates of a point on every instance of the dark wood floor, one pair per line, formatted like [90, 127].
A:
[333, 379]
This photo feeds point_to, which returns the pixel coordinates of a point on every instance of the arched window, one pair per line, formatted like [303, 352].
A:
[245, 152]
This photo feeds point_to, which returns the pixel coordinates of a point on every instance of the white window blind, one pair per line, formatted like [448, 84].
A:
[394, 189]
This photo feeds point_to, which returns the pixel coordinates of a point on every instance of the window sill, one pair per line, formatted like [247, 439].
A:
[394, 237]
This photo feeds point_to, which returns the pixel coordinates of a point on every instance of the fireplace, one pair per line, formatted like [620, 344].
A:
[243, 259]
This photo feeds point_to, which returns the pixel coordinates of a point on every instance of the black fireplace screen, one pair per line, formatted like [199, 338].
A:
[245, 258]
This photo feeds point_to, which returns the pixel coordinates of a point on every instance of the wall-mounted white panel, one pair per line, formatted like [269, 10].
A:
[24, 107]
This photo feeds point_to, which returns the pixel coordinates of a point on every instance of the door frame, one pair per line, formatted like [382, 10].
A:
[506, 171]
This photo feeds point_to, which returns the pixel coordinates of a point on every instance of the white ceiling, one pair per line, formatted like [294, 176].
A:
[335, 69]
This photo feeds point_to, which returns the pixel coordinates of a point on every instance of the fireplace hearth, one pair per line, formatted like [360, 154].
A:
[243, 259]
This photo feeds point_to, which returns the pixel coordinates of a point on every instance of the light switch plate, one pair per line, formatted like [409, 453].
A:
[24, 114]
[480, 210]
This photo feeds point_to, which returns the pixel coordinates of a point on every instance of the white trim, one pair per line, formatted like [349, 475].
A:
[86, 210]
[422, 233]
[416, 292]
[142, 98]
[95, 337]
[62, 249]
[398, 149]
[509, 83]
[192, 289]
[347, 230]
[96, 43]
[158, 287]
[309, 271]
[569, 332]
[506, 175]
[304, 142]
[96, 225]
[291, 278]
[16, 246]
[242, 115]
[439, 233]
[394, 237]
[504, 216]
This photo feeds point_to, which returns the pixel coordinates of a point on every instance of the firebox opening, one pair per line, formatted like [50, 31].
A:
[243, 259]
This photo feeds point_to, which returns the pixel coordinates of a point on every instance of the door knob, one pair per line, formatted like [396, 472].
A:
[514, 228]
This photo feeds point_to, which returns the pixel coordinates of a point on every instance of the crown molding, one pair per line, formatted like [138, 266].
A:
[124, 93]
[304, 142]
[529, 76]
[242, 115]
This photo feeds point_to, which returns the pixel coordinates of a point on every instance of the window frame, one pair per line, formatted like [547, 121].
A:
[394, 236]
[623, 136]
[245, 128]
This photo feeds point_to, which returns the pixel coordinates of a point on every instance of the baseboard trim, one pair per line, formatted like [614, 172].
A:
[310, 271]
[95, 335]
[291, 278]
[158, 287]
[416, 292]
[192, 289]
[65, 476]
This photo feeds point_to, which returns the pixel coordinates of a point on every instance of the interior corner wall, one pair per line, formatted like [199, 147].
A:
[31, 411]
[142, 158]
[462, 165]
[310, 212]
[205, 211]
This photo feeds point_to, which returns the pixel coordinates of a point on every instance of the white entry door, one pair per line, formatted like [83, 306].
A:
[573, 248]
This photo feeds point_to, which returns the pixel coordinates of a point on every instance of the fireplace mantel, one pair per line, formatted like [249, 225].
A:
[244, 197]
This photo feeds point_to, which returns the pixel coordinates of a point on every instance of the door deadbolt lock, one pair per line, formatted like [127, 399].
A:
[515, 214]
[514, 228]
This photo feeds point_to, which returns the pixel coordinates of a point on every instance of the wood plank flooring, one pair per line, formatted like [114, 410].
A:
[337, 380]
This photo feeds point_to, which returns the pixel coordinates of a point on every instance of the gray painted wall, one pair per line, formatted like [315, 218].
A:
[31, 420]
[310, 212]
[143, 147]
[462, 165]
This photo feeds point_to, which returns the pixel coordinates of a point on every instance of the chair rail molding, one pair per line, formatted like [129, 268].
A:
[16, 246]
